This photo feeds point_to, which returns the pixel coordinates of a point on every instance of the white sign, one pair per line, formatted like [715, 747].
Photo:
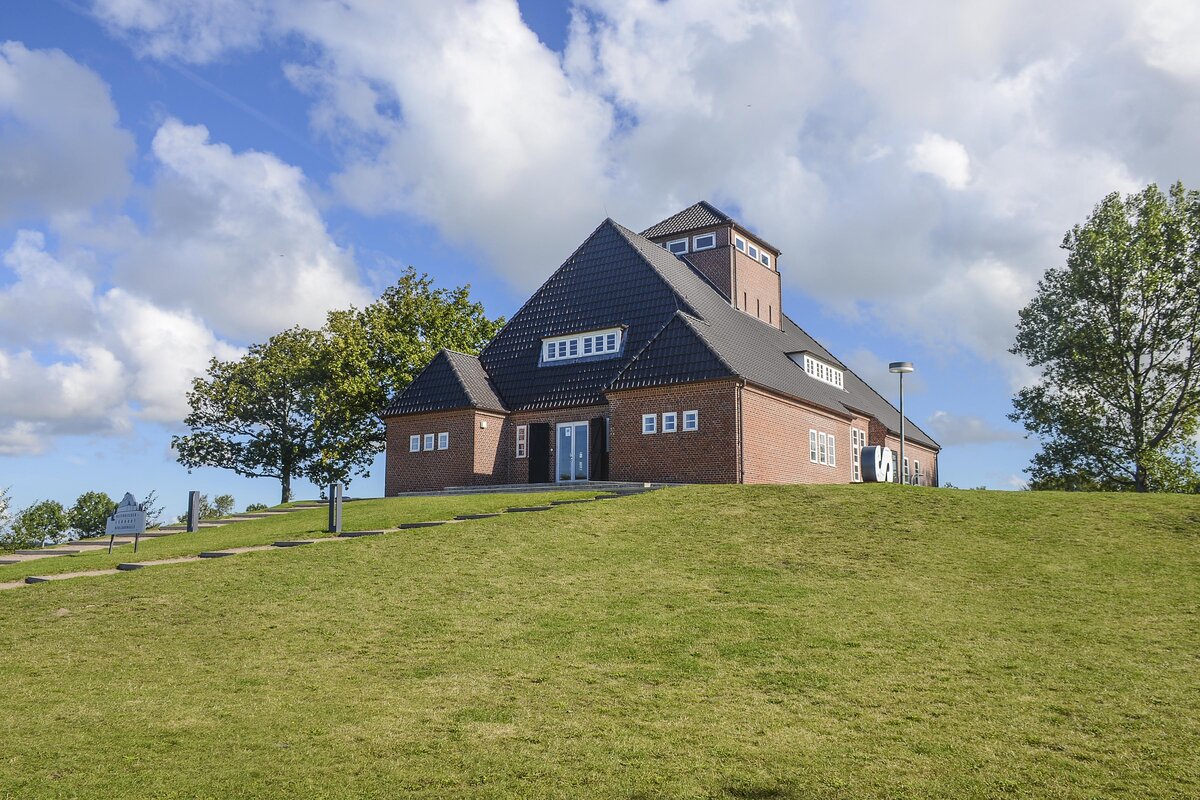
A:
[130, 517]
[877, 464]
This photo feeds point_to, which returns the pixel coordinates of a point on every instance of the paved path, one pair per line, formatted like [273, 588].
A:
[345, 536]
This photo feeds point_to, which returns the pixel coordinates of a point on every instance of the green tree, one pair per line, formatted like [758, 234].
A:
[306, 403]
[42, 523]
[255, 507]
[223, 505]
[154, 511]
[5, 531]
[89, 516]
[1116, 335]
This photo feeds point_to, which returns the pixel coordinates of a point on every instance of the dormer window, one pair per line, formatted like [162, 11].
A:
[678, 246]
[605, 342]
[705, 241]
[823, 372]
[739, 243]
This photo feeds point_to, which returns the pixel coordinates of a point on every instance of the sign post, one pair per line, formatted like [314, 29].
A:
[130, 517]
[193, 519]
[335, 508]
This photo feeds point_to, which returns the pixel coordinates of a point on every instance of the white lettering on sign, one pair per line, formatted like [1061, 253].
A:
[130, 517]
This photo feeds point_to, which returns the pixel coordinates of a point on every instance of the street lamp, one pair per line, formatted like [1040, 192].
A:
[901, 367]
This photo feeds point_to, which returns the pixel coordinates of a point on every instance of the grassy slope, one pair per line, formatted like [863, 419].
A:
[360, 515]
[847, 641]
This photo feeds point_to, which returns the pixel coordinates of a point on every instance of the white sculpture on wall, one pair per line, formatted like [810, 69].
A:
[877, 464]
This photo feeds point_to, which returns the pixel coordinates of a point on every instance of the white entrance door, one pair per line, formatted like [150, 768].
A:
[572, 451]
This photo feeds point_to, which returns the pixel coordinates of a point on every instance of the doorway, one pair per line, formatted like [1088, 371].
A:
[571, 451]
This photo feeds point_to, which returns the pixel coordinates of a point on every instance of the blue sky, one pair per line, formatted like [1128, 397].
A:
[179, 180]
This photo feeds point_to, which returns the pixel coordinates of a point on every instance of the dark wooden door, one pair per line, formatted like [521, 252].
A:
[599, 466]
[539, 452]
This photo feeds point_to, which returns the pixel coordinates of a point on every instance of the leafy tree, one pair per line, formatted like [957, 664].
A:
[253, 507]
[1116, 335]
[42, 523]
[5, 531]
[154, 511]
[305, 403]
[223, 505]
[89, 516]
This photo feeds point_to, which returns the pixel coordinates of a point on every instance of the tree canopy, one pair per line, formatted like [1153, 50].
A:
[305, 403]
[89, 516]
[1116, 336]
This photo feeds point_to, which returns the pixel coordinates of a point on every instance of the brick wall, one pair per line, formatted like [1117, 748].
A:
[707, 455]
[915, 452]
[756, 289]
[427, 470]
[775, 434]
[509, 468]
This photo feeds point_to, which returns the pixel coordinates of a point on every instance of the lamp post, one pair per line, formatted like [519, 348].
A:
[901, 367]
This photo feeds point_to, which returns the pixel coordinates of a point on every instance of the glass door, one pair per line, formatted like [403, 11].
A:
[571, 454]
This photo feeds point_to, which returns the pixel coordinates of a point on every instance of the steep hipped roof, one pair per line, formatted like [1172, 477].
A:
[451, 380]
[700, 215]
[606, 283]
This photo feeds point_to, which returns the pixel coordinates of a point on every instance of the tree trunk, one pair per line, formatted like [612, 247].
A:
[286, 484]
[1141, 479]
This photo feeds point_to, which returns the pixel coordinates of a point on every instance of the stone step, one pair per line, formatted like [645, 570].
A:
[36, 579]
[572, 502]
[357, 534]
[523, 509]
[478, 516]
[45, 552]
[5, 562]
[216, 554]
[432, 523]
[129, 566]
[293, 543]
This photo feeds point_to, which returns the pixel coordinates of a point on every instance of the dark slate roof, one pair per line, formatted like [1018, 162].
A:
[606, 283]
[450, 380]
[678, 354]
[701, 215]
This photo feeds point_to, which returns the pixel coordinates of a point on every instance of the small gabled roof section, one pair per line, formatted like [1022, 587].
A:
[700, 215]
[451, 380]
[678, 354]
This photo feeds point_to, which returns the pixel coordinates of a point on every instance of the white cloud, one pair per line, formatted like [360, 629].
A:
[236, 239]
[961, 429]
[196, 31]
[20, 439]
[62, 149]
[944, 159]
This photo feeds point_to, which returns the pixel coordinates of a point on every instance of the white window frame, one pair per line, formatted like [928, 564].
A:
[906, 480]
[602, 342]
[752, 251]
[822, 448]
[671, 246]
[764, 259]
[832, 451]
[522, 441]
[823, 372]
[443, 440]
[709, 242]
[858, 440]
[649, 424]
[916, 476]
[672, 418]
[739, 243]
[812, 445]
[428, 442]
[414, 443]
[691, 420]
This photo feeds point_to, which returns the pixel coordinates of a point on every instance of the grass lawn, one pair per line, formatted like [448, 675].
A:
[359, 515]
[743, 642]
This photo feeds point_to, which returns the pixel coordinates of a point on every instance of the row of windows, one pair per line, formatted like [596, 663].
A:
[821, 448]
[858, 440]
[414, 441]
[705, 241]
[752, 251]
[915, 478]
[596, 343]
[823, 372]
[670, 422]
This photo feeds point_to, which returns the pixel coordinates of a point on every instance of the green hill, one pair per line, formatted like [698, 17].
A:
[746, 642]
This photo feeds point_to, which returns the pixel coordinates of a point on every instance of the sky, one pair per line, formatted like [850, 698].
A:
[179, 180]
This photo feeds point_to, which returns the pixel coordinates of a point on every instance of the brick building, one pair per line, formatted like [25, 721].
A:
[664, 356]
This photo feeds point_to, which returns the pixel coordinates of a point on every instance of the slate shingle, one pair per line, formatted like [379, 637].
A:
[451, 380]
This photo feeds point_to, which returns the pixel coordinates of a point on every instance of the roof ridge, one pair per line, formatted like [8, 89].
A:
[681, 300]
[462, 384]
[685, 318]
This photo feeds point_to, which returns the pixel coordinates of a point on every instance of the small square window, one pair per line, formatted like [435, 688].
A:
[562, 349]
[705, 241]
[429, 441]
[691, 420]
[587, 345]
[444, 440]
[649, 423]
[574, 347]
[678, 247]
[670, 422]
[414, 443]
[739, 243]
[753, 252]
[765, 259]
[612, 341]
